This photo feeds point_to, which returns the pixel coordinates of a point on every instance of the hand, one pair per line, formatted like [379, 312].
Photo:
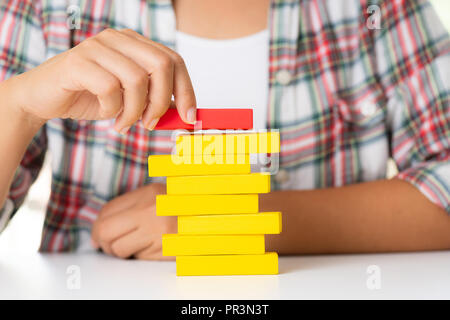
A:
[127, 226]
[115, 74]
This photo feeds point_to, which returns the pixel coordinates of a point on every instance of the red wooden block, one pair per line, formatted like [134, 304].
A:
[220, 119]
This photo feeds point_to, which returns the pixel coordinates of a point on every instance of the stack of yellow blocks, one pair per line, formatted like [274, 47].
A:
[211, 189]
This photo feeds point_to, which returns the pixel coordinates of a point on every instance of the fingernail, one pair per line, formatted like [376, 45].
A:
[191, 115]
[153, 124]
[124, 130]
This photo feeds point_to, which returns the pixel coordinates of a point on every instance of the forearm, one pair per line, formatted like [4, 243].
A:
[380, 216]
[17, 130]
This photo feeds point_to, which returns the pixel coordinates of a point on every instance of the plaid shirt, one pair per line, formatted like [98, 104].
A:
[345, 96]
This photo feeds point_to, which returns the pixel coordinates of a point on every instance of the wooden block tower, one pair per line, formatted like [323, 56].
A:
[211, 189]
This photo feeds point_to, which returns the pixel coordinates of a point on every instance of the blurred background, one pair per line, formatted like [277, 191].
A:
[23, 233]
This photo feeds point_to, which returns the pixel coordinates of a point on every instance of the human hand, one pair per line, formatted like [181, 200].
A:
[114, 74]
[127, 226]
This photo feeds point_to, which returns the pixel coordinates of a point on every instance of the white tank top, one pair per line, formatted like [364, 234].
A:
[231, 73]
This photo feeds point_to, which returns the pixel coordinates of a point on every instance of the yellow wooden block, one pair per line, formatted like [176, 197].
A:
[254, 264]
[258, 223]
[179, 205]
[189, 165]
[234, 143]
[187, 245]
[219, 184]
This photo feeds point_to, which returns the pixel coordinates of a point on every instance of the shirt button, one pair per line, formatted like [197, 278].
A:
[368, 109]
[282, 176]
[283, 77]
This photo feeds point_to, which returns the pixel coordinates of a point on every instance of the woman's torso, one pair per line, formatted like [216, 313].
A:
[332, 121]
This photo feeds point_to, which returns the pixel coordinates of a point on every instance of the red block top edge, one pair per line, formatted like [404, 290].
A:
[220, 119]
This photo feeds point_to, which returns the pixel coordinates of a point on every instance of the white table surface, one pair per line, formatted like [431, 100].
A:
[412, 275]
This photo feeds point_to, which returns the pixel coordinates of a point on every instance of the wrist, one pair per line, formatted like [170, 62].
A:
[13, 104]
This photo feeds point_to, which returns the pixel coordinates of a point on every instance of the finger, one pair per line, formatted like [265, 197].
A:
[127, 200]
[88, 75]
[131, 243]
[183, 90]
[133, 78]
[107, 229]
[155, 61]
[160, 94]
[106, 247]
[116, 205]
